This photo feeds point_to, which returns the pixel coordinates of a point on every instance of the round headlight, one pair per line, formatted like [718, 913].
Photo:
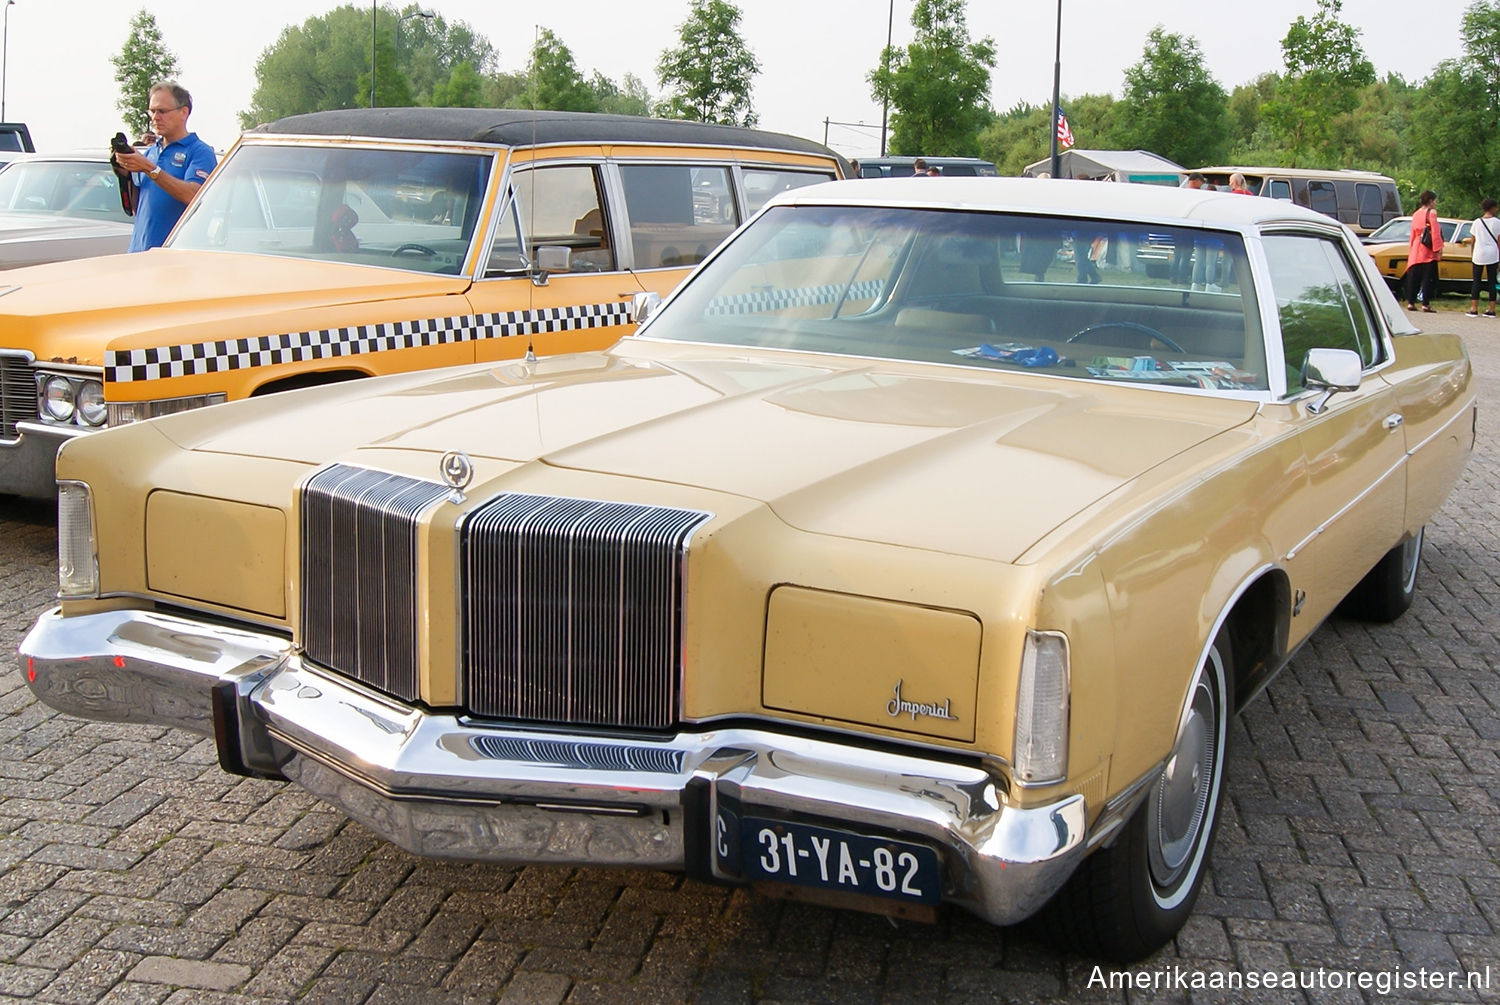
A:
[91, 407]
[58, 398]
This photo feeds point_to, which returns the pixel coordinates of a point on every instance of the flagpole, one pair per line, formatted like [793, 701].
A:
[1057, 95]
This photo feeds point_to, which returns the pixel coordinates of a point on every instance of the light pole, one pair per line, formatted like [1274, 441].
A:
[427, 14]
[372, 53]
[885, 105]
[5, 56]
[399, 22]
[1057, 95]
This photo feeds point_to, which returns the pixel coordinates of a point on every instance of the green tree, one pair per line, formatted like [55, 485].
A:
[143, 61]
[1172, 104]
[506, 90]
[708, 76]
[392, 88]
[430, 49]
[629, 97]
[1454, 136]
[938, 86]
[555, 79]
[1246, 125]
[325, 62]
[1325, 69]
[464, 88]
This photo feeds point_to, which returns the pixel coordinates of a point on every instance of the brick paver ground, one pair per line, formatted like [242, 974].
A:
[1361, 834]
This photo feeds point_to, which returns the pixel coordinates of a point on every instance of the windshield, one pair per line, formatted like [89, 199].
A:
[83, 189]
[1093, 299]
[399, 209]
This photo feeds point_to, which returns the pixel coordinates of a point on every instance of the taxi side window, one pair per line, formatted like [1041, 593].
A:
[1318, 301]
[762, 183]
[557, 206]
[678, 212]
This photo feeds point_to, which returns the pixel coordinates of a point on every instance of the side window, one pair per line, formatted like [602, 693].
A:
[678, 212]
[1371, 205]
[557, 207]
[1323, 198]
[762, 183]
[1318, 301]
[1280, 189]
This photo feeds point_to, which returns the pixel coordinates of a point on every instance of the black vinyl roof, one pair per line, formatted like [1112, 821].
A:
[522, 127]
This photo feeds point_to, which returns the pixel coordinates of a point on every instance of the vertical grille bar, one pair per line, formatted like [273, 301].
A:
[360, 608]
[573, 610]
[17, 392]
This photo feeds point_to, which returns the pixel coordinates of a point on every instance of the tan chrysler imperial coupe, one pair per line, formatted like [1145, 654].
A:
[916, 552]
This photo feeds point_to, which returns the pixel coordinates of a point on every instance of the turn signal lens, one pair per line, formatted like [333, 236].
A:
[77, 554]
[1041, 753]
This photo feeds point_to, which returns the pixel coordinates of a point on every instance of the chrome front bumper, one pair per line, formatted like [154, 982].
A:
[448, 787]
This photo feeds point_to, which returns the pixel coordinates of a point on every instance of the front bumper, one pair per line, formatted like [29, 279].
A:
[448, 787]
[28, 464]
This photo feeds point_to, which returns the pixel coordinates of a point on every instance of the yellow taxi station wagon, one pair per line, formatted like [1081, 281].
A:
[351, 243]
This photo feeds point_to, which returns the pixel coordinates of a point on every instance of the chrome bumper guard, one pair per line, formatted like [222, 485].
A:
[446, 787]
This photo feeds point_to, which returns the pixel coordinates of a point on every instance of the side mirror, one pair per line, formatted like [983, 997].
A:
[644, 305]
[1330, 371]
[550, 259]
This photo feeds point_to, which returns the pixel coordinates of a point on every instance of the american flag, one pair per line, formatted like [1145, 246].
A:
[1064, 134]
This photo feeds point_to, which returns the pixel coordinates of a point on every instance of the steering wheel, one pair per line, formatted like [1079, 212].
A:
[420, 249]
[1126, 334]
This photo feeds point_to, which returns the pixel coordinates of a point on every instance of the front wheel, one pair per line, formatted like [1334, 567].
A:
[1127, 900]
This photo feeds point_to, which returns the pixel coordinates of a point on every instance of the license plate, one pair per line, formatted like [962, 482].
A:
[831, 859]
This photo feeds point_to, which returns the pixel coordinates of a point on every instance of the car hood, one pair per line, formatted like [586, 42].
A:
[21, 227]
[920, 456]
[76, 310]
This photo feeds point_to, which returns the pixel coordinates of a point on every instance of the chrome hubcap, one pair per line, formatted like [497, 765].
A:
[1411, 554]
[1180, 803]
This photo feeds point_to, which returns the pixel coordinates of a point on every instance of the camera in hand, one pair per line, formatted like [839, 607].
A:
[120, 144]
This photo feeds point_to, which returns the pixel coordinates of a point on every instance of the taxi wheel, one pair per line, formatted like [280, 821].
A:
[1387, 590]
[1129, 899]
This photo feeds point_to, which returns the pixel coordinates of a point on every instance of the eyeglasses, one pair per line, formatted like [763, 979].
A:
[163, 111]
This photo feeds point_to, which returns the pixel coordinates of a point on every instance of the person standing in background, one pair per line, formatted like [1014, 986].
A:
[1423, 252]
[171, 170]
[1485, 256]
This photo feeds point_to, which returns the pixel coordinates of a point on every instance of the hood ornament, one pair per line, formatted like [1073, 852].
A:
[457, 471]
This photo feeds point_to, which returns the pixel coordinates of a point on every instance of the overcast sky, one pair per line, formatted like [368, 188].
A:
[813, 55]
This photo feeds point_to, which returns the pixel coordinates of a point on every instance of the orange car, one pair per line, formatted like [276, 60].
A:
[1390, 245]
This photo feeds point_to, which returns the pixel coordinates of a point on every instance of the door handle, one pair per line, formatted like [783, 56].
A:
[1393, 422]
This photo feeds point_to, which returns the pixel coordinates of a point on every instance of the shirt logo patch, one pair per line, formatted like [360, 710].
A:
[179, 158]
[201, 173]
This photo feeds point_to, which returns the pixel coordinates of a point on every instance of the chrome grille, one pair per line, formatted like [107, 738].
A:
[17, 391]
[573, 610]
[360, 608]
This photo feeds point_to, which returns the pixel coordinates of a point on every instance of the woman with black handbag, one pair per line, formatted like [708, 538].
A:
[1425, 250]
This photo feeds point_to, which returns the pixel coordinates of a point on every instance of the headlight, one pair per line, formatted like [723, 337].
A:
[123, 412]
[1041, 754]
[91, 408]
[77, 555]
[73, 399]
[58, 398]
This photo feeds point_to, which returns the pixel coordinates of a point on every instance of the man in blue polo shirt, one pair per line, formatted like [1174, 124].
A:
[170, 171]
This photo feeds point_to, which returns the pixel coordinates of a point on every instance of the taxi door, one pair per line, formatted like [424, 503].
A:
[555, 279]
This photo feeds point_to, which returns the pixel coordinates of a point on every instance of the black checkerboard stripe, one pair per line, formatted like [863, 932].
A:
[761, 301]
[123, 366]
